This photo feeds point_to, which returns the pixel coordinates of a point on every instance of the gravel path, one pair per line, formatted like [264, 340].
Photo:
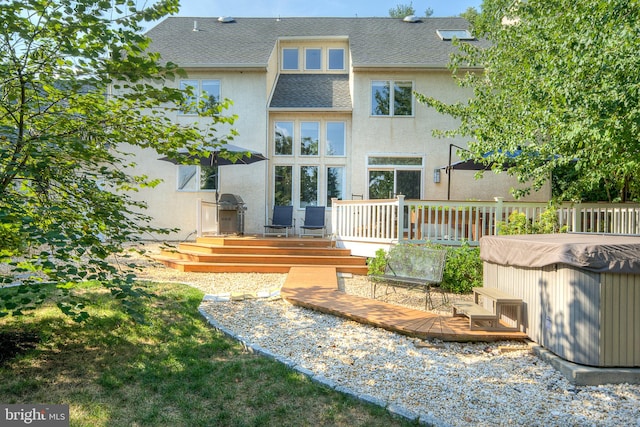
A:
[481, 384]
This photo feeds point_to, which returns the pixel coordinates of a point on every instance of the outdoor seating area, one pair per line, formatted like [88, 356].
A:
[413, 267]
[281, 221]
[314, 221]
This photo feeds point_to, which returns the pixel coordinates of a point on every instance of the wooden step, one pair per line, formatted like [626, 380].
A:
[476, 314]
[309, 242]
[266, 250]
[205, 267]
[253, 254]
[293, 259]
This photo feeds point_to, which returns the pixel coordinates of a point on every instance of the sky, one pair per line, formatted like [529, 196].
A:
[321, 8]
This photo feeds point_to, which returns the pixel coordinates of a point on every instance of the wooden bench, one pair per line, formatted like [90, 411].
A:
[413, 266]
[481, 317]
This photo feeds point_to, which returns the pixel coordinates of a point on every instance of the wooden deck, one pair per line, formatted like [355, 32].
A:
[312, 265]
[317, 288]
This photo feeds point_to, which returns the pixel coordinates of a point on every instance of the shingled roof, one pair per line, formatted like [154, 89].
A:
[249, 42]
[326, 91]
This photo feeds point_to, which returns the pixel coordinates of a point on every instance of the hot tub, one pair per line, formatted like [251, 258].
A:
[581, 292]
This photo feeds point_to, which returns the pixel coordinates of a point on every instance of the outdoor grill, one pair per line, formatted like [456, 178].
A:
[231, 209]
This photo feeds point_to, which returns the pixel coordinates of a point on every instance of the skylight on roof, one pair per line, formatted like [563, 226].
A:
[458, 34]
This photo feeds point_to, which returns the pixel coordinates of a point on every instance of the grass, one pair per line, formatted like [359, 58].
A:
[171, 370]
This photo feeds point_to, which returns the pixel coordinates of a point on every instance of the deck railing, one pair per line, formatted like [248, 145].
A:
[452, 222]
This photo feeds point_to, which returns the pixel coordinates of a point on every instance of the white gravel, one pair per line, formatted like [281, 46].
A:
[480, 384]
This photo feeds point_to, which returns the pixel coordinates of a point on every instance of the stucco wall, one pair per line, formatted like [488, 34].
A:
[414, 136]
[172, 208]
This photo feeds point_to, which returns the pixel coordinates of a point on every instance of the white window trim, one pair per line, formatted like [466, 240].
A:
[198, 174]
[344, 59]
[391, 99]
[344, 139]
[282, 59]
[198, 92]
[394, 168]
[322, 65]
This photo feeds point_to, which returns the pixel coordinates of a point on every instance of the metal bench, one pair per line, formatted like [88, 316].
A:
[412, 266]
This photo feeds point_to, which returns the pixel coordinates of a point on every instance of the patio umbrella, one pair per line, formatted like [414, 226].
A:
[471, 165]
[214, 159]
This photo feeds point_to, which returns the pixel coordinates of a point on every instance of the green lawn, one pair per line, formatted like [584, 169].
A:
[171, 370]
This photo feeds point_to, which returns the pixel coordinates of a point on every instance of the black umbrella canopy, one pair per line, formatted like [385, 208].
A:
[240, 156]
[214, 158]
[473, 165]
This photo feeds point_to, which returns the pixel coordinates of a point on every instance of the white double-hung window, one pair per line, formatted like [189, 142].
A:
[204, 94]
[391, 98]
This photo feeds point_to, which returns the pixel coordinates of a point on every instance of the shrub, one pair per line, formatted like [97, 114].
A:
[519, 223]
[463, 269]
[377, 264]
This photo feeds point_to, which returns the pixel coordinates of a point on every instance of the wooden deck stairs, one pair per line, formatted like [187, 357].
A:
[252, 254]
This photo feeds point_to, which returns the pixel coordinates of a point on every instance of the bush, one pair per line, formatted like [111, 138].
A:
[376, 265]
[519, 223]
[463, 269]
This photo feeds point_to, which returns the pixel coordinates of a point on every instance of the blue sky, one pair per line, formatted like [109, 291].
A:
[322, 8]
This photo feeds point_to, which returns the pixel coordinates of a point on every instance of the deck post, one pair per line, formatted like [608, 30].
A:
[334, 217]
[498, 216]
[400, 217]
[576, 225]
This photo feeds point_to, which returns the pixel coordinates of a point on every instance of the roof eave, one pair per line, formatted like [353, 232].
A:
[226, 67]
[405, 67]
[309, 109]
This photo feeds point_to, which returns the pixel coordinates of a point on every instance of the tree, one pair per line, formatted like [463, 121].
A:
[560, 83]
[77, 86]
[471, 14]
[404, 10]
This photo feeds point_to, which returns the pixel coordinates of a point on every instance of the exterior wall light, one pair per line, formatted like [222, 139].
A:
[436, 176]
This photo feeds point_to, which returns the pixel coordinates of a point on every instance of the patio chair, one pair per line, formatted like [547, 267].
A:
[282, 220]
[313, 221]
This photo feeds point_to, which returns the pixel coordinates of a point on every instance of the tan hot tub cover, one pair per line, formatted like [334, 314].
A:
[592, 252]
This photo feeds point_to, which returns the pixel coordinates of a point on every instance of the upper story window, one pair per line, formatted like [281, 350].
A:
[205, 94]
[336, 138]
[312, 59]
[391, 98]
[309, 138]
[284, 139]
[290, 59]
[312, 139]
[336, 59]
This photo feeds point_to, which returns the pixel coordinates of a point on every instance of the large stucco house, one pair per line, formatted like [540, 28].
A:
[329, 102]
